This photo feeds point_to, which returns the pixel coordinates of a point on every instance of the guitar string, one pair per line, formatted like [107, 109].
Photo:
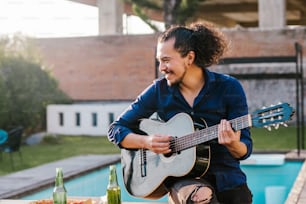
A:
[195, 138]
[180, 143]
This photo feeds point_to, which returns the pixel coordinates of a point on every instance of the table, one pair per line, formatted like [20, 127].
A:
[7, 201]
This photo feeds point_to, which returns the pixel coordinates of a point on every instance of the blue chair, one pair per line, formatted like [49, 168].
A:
[3, 139]
[13, 143]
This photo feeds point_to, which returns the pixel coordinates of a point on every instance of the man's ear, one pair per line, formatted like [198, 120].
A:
[190, 57]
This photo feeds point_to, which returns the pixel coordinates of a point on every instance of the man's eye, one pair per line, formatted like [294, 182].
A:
[157, 63]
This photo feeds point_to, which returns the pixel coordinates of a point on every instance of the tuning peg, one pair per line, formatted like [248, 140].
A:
[267, 127]
[284, 124]
[276, 126]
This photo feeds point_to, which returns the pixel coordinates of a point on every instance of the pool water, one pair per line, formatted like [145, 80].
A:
[91, 185]
[260, 178]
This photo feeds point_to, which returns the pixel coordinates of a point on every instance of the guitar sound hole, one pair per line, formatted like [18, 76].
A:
[171, 153]
[168, 155]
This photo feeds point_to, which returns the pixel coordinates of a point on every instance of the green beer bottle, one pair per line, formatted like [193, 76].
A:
[59, 191]
[113, 189]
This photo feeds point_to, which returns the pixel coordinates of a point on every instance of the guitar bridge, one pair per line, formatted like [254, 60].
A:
[143, 162]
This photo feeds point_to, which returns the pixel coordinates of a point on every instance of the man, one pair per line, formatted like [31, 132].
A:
[209, 98]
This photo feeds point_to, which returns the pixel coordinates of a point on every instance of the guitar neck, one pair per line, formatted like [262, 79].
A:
[207, 134]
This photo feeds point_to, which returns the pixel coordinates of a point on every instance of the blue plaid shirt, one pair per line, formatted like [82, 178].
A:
[222, 97]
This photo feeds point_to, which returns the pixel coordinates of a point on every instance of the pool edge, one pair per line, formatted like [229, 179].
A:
[299, 183]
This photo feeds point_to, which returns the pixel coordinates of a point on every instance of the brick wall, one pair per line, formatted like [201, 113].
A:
[256, 42]
[101, 68]
[119, 67]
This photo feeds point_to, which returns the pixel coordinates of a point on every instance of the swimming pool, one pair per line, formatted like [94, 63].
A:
[264, 173]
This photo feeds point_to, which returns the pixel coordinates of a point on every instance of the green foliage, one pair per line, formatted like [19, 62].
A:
[19, 46]
[141, 14]
[26, 88]
[150, 4]
[140, 7]
[187, 11]
[175, 12]
[4, 103]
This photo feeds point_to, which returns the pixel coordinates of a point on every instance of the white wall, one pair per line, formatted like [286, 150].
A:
[86, 127]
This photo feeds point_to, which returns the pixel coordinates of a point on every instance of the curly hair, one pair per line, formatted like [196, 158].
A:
[204, 39]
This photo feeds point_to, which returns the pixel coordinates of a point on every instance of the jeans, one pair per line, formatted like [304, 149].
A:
[238, 195]
[180, 192]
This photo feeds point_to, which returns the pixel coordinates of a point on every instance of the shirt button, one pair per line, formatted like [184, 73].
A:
[191, 113]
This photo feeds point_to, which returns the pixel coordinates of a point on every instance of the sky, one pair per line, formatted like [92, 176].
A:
[55, 18]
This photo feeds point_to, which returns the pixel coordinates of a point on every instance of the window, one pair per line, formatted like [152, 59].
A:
[77, 119]
[94, 119]
[61, 118]
[110, 118]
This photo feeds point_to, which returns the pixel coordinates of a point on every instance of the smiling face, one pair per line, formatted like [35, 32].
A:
[171, 64]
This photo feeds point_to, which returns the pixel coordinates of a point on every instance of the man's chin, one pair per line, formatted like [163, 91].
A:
[171, 83]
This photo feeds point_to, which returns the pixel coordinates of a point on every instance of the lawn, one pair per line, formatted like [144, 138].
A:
[52, 149]
[281, 139]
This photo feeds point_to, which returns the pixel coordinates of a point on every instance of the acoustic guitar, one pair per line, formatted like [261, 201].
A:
[145, 171]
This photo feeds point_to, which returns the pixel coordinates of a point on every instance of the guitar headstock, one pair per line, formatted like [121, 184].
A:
[274, 115]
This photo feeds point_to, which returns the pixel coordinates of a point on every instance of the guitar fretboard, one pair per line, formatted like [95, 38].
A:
[207, 134]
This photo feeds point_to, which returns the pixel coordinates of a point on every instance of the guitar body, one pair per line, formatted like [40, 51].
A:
[144, 171]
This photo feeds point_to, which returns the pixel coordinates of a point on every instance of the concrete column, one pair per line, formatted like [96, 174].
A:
[110, 17]
[272, 13]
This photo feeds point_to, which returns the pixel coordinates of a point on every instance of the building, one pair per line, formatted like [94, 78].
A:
[109, 69]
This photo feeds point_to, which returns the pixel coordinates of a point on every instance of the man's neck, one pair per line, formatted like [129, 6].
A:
[192, 84]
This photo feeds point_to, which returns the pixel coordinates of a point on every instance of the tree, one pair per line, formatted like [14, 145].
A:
[19, 46]
[4, 103]
[175, 12]
[27, 87]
